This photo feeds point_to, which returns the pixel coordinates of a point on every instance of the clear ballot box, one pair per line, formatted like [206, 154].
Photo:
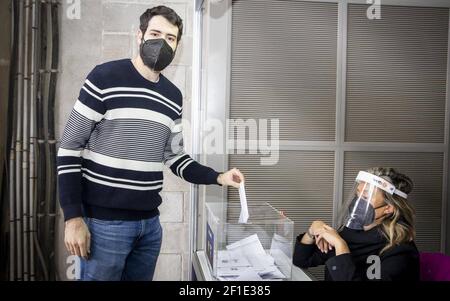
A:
[260, 249]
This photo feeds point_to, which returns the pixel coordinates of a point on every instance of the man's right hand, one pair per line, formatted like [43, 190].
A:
[77, 237]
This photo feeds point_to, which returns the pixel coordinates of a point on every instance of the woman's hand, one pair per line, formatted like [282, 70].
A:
[322, 244]
[312, 237]
[315, 227]
[332, 237]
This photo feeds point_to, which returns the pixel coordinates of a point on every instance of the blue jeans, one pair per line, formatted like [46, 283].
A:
[122, 250]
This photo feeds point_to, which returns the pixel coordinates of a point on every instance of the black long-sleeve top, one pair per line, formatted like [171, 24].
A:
[400, 262]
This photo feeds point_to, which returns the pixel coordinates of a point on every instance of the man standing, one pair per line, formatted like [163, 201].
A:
[124, 126]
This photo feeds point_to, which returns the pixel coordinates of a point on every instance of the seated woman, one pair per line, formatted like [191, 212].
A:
[376, 220]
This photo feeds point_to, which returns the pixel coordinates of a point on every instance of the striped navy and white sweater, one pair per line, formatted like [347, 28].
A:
[121, 131]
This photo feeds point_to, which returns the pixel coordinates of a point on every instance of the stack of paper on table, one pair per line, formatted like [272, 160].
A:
[247, 260]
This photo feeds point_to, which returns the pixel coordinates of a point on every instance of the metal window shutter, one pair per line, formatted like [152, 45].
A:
[425, 169]
[301, 184]
[283, 65]
[396, 74]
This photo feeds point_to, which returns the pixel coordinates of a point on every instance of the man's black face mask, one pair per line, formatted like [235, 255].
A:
[156, 54]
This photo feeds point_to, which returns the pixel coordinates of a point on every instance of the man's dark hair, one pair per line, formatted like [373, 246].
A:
[167, 13]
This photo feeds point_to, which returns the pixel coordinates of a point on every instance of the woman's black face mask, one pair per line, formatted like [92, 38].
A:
[361, 214]
[156, 54]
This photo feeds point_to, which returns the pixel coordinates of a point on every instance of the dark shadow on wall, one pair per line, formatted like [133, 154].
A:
[5, 59]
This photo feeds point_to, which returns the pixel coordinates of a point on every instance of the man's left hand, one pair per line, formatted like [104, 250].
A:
[233, 177]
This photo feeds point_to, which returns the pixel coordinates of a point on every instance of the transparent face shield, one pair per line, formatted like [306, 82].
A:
[367, 195]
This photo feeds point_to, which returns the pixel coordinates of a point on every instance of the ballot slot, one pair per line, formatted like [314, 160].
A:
[259, 249]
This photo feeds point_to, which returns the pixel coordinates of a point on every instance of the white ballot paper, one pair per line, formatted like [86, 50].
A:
[244, 274]
[245, 260]
[248, 246]
[230, 259]
[243, 218]
[248, 275]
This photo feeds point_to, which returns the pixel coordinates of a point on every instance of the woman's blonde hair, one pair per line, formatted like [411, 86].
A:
[398, 227]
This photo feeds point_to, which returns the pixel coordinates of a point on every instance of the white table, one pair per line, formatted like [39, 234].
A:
[203, 273]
